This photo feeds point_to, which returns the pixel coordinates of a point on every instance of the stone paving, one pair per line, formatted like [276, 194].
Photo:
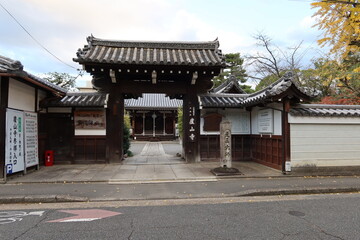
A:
[151, 164]
[154, 153]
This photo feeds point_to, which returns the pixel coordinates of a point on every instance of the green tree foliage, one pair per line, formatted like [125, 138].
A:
[331, 77]
[235, 67]
[180, 121]
[64, 80]
[126, 134]
[266, 81]
[322, 77]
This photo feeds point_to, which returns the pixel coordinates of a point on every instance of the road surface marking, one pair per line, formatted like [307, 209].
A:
[86, 215]
[13, 216]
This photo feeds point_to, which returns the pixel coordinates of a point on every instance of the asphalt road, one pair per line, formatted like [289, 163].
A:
[335, 216]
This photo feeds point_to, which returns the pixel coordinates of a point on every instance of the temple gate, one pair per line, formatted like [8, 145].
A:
[127, 69]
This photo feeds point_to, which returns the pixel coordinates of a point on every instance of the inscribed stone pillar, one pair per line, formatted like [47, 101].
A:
[225, 144]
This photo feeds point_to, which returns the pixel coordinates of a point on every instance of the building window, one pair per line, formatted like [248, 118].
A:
[212, 122]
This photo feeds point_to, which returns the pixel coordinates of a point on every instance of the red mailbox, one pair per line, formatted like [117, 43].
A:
[49, 158]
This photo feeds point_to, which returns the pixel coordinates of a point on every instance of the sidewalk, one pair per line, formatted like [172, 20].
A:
[138, 173]
[152, 162]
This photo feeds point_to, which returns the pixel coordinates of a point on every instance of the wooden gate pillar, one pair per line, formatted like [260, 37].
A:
[114, 127]
[191, 128]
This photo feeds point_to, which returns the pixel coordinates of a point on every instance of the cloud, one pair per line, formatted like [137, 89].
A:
[62, 26]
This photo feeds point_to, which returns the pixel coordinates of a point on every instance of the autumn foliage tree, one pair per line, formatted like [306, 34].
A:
[340, 22]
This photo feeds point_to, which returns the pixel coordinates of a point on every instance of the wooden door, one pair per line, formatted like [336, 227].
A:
[60, 131]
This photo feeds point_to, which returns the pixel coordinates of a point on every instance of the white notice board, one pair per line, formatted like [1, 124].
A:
[31, 139]
[14, 141]
[266, 121]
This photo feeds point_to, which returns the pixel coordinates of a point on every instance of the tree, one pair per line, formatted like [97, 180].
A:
[63, 80]
[322, 77]
[340, 21]
[344, 98]
[334, 79]
[235, 68]
[271, 63]
[266, 81]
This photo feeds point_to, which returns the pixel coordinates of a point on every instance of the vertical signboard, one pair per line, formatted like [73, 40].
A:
[14, 145]
[192, 126]
[31, 139]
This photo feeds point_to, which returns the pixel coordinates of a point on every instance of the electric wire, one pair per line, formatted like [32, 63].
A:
[33, 38]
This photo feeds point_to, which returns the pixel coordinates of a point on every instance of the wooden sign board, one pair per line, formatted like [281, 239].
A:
[89, 119]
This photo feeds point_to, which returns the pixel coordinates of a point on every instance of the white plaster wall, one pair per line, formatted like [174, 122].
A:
[41, 96]
[21, 96]
[324, 145]
[90, 132]
[324, 120]
[237, 117]
[276, 120]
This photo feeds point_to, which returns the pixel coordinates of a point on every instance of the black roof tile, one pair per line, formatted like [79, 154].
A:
[15, 68]
[151, 53]
[320, 110]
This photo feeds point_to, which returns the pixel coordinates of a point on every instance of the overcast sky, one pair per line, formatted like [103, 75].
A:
[63, 25]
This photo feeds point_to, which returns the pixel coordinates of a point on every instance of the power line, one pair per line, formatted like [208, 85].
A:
[33, 38]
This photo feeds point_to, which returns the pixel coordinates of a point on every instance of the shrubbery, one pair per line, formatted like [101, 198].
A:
[126, 137]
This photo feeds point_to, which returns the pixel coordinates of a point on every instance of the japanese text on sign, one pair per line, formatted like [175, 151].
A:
[31, 139]
[192, 126]
[14, 148]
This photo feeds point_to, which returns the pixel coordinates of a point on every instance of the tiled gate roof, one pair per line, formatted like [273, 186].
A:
[151, 53]
[96, 99]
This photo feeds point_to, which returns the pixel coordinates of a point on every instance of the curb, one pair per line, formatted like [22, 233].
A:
[204, 179]
[115, 181]
[249, 193]
[41, 199]
[272, 192]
